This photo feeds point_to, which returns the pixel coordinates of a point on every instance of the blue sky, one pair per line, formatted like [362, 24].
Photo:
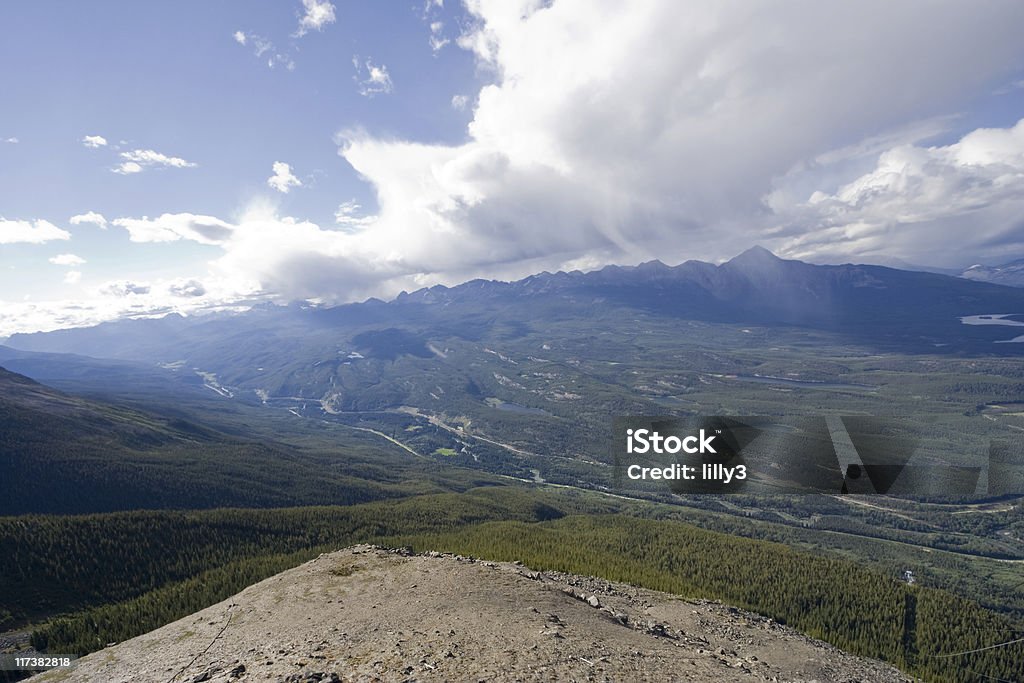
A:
[486, 139]
[170, 77]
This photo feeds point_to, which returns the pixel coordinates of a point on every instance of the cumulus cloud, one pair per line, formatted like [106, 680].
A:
[30, 232]
[317, 14]
[187, 288]
[122, 288]
[67, 260]
[94, 141]
[90, 217]
[173, 227]
[137, 160]
[283, 179]
[460, 101]
[919, 200]
[127, 168]
[72, 277]
[589, 146]
[239, 37]
[373, 79]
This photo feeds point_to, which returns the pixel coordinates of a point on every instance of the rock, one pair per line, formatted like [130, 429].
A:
[593, 601]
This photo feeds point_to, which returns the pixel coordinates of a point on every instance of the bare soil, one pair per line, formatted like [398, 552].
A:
[371, 614]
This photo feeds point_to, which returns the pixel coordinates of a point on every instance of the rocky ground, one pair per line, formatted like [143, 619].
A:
[370, 614]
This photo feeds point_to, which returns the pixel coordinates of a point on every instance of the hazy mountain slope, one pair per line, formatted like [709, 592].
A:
[1010, 274]
[371, 614]
[60, 453]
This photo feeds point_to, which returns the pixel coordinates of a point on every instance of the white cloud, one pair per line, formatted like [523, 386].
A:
[120, 299]
[283, 179]
[91, 217]
[122, 288]
[592, 145]
[127, 168]
[173, 227]
[186, 288]
[264, 49]
[138, 160]
[437, 37]
[11, 141]
[94, 141]
[917, 201]
[67, 260]
[348, 214]
[30, 232]
[459, 102]
[373, 79]
[318, 13]
[72, 277]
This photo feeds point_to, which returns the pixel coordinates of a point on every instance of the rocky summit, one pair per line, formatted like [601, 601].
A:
[373, 614]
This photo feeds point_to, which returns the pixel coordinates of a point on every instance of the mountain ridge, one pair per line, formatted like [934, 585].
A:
[750, 274]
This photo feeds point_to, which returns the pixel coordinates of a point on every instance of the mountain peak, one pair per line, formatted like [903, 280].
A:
[755, 255]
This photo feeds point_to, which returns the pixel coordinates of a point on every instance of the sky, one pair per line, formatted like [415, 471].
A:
[197, 156]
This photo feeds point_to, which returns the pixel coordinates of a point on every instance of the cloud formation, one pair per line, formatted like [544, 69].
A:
[264, 49]
[123, 288]
[283, 179]
[94, 141]
[318, 13]
[30, 232]
[173, 227]
[90, 217]
[137, 160]
[67, 260]
[592, 147]
[373, 79]
[920, 200]
[349, 214]
[187, 288]
[437, 38]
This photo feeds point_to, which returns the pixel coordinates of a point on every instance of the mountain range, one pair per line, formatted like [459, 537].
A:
[870, 304]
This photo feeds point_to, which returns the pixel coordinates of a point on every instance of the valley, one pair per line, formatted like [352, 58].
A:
[449, 418]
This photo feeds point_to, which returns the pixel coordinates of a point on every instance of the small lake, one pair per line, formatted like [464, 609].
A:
[515, 407]
[992, 319]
